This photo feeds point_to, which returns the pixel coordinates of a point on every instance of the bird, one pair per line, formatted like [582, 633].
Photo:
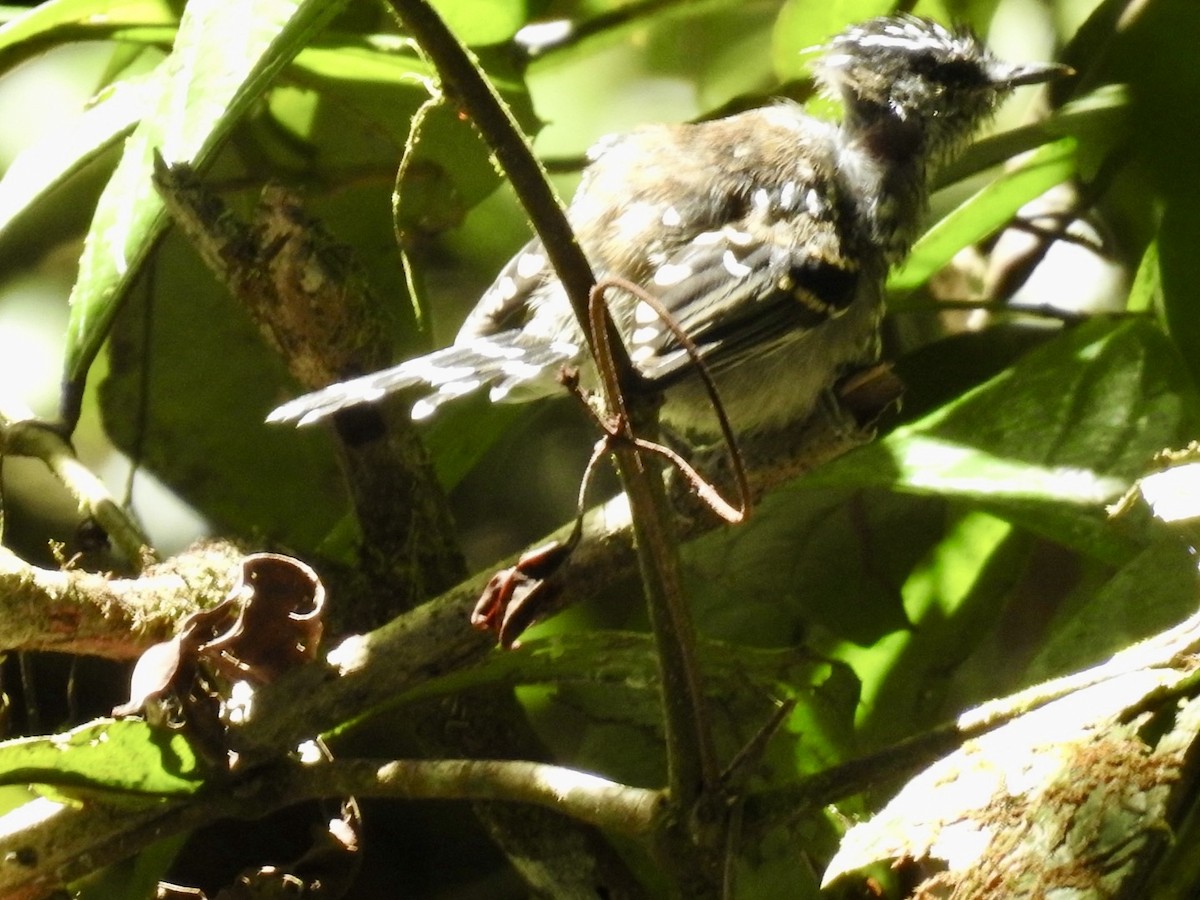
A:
[766, 235]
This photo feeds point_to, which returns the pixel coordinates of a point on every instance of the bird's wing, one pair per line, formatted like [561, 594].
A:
[735, 291]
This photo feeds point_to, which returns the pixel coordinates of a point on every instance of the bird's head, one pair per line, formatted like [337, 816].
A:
[915, 73]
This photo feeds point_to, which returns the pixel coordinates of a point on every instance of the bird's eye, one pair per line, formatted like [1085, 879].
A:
[952, 72]
[925, 64]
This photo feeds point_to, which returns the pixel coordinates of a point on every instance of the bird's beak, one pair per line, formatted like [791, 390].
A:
[1032, 73]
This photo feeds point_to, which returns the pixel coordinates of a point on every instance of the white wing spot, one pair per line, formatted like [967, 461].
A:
[671, 217]
[733, 266]
[520, 371]
[641, 354]
[437, 376]
[565, 348]
[458, 388]
[422, 409]
[705, 238]
[737, 238]
[672, 273]
[761, 198]
[492, 350]
[813, 204]
[506, 287]
[787, 194]
[645, 335]
[644, 314]
[529, 264]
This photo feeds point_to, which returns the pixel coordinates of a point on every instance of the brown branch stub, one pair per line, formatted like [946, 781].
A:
[304, 290]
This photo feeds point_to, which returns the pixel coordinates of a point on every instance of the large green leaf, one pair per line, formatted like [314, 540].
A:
[477, 22]
[985, 212]
[803, 25]
[188, 385]
[901, 556]
[225, 56]
[952, 598]
[47, 164]
[1048, 441]
[1153, 591]
[63, 21]
[128, 756]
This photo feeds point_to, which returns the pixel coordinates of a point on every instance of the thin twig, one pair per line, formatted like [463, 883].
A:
[691, 755]
[464, 83]
[657, 549]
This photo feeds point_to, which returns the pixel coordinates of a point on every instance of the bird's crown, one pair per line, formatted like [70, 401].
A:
[908, 67]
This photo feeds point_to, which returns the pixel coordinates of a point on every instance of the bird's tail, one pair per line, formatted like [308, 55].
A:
[514, 370]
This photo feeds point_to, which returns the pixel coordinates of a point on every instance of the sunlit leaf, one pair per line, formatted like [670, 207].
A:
[64, 21]
[1047, 441]
[477, 22]
[985, 212]
[46, 164]
[802, 25]
[127, 756]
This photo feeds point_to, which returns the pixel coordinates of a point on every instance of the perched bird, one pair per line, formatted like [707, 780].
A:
[767, 235]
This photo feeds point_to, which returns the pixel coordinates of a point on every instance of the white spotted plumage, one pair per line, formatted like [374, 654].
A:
[765, 235]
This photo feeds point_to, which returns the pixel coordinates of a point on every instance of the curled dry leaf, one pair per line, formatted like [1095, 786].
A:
[278, 624]
[270, 621]
[515, 596]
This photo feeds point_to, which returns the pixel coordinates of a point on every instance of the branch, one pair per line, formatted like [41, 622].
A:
[56, 835]
[98, 615]
[692, 770]
[364, 671]
[21, 434]
[691, 763]
[1147, 676]
[432, 640]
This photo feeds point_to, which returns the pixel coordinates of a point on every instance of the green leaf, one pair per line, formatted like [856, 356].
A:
[953, 598]
[1153, 591]
[607, 684]
[1145, 295]
[477, 22]
[1179, 267]
[132, 878]
[1048, 441]
[1098, 121]
[803, 25]
[355, 102]
[127, 756]
[188, 385]
[225, 56]
[64, 21]
[42, 167]
[985, 212]
[799, 558]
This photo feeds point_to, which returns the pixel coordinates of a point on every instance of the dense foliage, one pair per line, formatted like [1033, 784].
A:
[969, 551]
